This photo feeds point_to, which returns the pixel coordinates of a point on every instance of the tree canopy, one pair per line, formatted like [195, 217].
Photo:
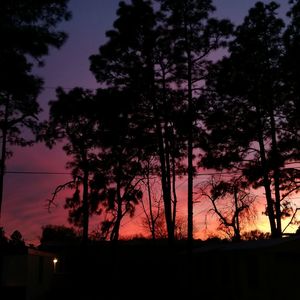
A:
[28, 30]
[166, 107]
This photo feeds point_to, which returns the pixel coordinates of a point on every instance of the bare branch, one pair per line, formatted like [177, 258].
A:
[59, 188]
[291, 220]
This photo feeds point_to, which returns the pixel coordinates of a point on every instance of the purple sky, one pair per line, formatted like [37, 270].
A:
[25, 195]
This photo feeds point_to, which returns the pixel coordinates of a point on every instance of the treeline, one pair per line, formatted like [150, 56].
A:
[180, 91]
[13, 244]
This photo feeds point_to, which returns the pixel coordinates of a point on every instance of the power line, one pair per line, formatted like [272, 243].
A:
[132, 219]
[66, 173]
[232, 173]
[217, 173]
[37, 173]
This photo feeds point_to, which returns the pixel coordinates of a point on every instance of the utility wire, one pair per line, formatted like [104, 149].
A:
[217, 173]
[37, 173]
[132, 219]
[66, 173]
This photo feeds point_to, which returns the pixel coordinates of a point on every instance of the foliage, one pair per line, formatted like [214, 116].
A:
[145, 58]
[160, 228]
[58, 233]
[163, 96]
[255, 235]
[13, 244]
[231, 202]
[72, 120]
[195, 35]
[16, 239]
[28, 30]
[3, 239]
[244, 112]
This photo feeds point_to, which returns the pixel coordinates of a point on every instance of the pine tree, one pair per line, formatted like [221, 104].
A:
[27, 29]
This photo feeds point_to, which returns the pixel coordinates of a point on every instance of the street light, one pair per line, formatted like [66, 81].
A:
[55, 260]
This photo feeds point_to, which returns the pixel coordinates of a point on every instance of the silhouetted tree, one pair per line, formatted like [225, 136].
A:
[151, 207]
[14, 244]
[255, 235]
[127, 62]
[120, 159]
[57, 233]
[158, 228]
[122, 193]
[27, 32]
[72, 120]
[195, 35]
[231, 202]
[144, 55]
[290, 139]
[16, 240]
[243, 107]
[291, 76]
[3, 240]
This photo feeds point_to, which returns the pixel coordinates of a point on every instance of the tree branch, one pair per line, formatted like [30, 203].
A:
[59, 188]
[291, 220]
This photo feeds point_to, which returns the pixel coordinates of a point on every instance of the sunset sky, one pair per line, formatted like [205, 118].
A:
[25, 194]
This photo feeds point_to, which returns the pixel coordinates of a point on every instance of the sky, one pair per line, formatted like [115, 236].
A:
[25, 195]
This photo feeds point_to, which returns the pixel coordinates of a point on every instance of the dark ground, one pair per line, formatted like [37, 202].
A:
[146, 270]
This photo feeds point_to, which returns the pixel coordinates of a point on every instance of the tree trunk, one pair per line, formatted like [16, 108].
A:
[85, 203]
[152, 221]
[114, 236]
[190, 169]
[164, 184]
[167, 148]
[174, 191]
[266, 181]
[166, 195]
[276, 174]
[168, 181]
[237, 232]
[190, 151]
[3, 154]
[162, 157]
[116, 229]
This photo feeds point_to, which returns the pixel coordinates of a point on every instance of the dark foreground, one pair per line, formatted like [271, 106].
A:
[143, 270]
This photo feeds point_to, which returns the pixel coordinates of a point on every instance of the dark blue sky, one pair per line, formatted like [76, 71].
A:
[69, 66]
[25, 195]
